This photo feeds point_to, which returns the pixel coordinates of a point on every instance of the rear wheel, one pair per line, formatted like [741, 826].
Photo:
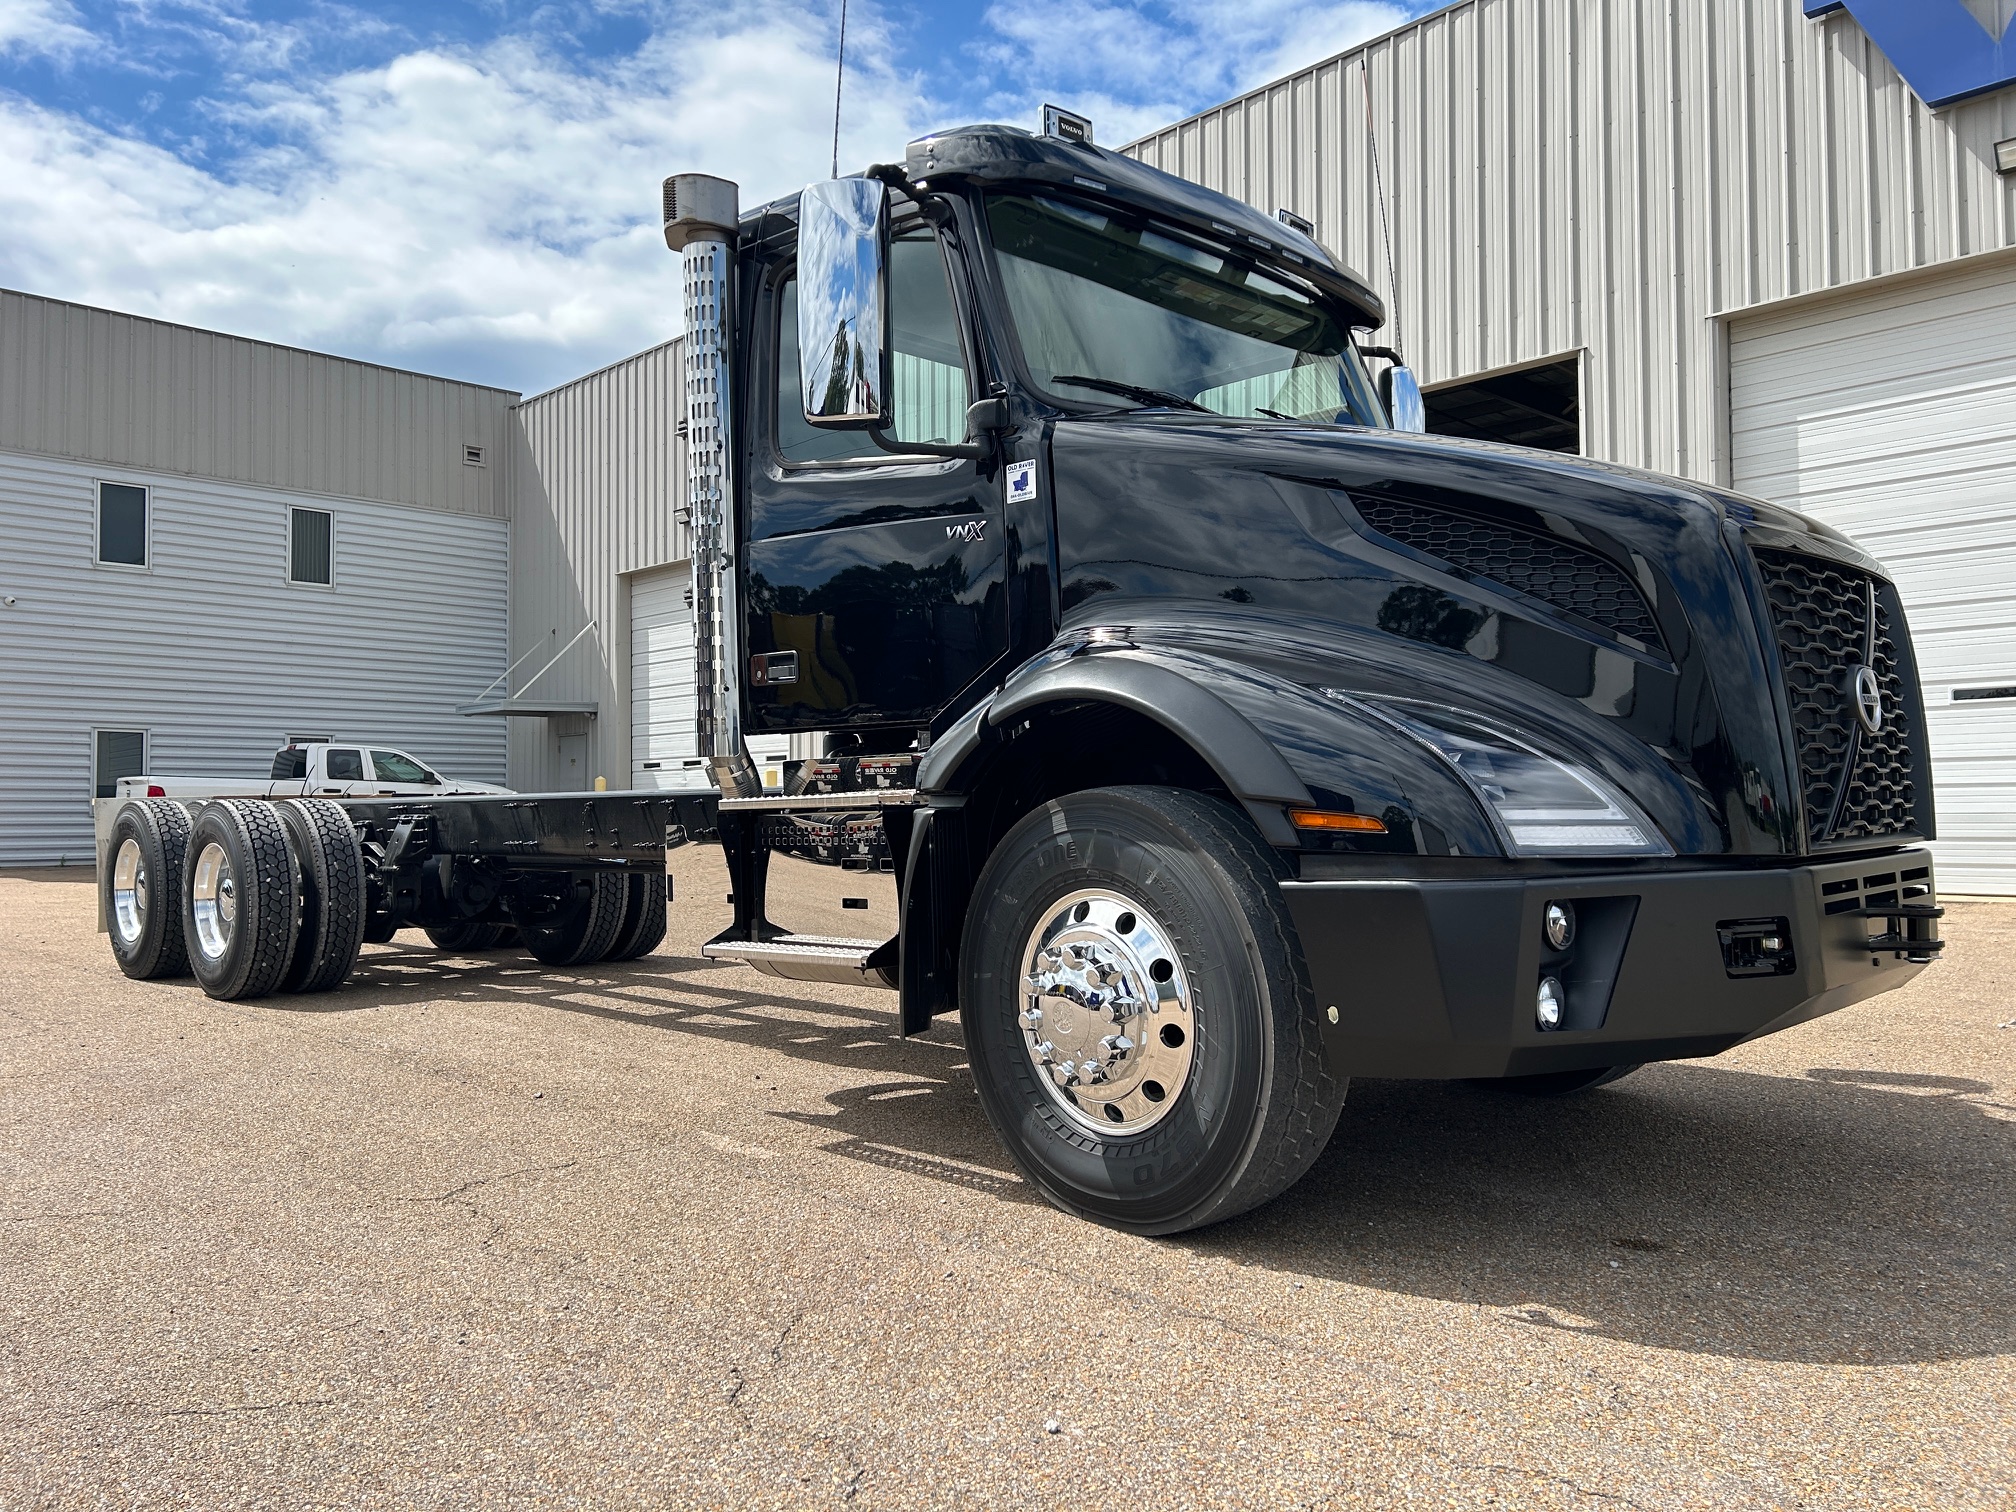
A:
[586, 926]
[468, 936]
[1138, 1014]
[238, 909]
[643, 925]
[141, 888]
[332, 904]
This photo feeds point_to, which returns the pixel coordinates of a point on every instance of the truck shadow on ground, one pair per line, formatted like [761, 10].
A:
[1840, 1217]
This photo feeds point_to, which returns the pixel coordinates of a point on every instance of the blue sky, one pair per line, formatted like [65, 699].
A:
[468, 186]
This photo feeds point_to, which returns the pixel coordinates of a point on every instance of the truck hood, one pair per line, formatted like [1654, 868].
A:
[1609, 614]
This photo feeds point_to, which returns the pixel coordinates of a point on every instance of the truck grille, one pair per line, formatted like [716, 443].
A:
[1566, 576]
[1830, 619]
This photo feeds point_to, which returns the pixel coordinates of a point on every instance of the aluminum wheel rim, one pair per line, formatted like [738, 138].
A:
[129, 892]
[1106, 1013]
[214, 901]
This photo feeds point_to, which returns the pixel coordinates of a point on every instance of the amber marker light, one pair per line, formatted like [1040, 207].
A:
[1325, 821]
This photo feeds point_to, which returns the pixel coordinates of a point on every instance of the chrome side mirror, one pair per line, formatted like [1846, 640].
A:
[1400, 392]
[843, 304]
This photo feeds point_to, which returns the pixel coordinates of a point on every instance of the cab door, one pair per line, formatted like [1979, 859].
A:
[873, 585]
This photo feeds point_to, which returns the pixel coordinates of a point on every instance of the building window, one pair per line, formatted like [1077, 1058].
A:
[1538, 406]
[118, 753]
[309, 554]
[122, 525]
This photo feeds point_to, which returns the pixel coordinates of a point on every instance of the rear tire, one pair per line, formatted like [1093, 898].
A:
[141, 889]
[332, 914]
[643, 927]
[1160, 909]
[468, 937]
[1558, 1083]
[585, 931]
[238, 899]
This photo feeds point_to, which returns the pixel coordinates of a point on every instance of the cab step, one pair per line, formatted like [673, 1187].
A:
[810, 958]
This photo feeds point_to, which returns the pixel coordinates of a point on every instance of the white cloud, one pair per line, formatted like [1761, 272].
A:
[40, 26]
[490, 213]
[1134, 66]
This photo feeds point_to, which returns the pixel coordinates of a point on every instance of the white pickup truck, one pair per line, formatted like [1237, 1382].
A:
[317, 771]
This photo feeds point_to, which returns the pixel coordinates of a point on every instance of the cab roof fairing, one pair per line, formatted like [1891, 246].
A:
[1008, 155]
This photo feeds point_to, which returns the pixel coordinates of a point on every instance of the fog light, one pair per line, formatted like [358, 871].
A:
[1558, 925]
[1547, 1006]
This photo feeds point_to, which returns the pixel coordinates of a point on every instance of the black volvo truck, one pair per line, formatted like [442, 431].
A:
[1222, 736]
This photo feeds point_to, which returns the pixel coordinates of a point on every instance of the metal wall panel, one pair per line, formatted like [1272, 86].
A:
[599, 469]
[98, 385]
[214, 652]
[1891, 414]
[1612, 175]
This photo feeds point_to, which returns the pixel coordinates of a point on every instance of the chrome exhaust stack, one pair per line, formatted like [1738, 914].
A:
[701, 213]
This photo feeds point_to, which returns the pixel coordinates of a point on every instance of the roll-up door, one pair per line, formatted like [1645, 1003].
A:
[1892, 417]
[664, 752]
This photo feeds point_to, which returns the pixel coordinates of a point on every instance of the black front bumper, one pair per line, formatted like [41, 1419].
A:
[1438, 978]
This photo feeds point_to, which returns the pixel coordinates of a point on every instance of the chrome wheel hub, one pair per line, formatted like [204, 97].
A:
[129, 892]
[214, 897]
[1106, 1013]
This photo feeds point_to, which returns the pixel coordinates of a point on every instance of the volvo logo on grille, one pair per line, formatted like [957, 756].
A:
[1867, 694]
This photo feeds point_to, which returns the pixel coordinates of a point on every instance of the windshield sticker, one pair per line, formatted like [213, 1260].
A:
[1021, 482]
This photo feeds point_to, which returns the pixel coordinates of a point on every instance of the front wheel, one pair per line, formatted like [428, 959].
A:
[1137, 1011]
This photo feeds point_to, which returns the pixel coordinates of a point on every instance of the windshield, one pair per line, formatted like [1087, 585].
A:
[1096, 296]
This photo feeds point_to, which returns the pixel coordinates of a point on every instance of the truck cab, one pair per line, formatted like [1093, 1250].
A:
[1224, 738]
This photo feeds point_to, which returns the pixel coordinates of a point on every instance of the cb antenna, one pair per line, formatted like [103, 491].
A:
[839, 78]
[1379, 189]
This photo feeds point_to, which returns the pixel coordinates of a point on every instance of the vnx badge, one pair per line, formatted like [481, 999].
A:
[1021, 482]
[970, 530]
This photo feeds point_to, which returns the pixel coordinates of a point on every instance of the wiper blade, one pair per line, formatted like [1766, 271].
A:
[1134, 391]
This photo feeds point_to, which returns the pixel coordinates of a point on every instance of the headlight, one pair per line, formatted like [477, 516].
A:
[1538, 805]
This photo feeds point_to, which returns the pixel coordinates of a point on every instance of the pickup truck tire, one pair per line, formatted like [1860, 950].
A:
[240, 886]
[332, 901]
[468, 936]
[1558, 1083]
[643, 927]
[1122, 898]
[587, 931]
[142, 888]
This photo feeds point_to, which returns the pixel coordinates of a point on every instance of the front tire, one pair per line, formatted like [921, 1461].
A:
[238, 899]
[142, 889]
[1137, 1011]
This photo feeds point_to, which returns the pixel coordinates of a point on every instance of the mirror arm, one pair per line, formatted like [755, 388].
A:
[984, 417]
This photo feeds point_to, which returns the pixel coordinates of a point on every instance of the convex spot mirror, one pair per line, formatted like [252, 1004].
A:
[1400, 392]
[843, 304]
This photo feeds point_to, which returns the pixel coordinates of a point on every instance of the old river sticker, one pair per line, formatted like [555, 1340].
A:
[1021, 482]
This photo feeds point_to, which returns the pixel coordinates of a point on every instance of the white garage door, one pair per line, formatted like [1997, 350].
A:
[663, 750]
[1892, 417]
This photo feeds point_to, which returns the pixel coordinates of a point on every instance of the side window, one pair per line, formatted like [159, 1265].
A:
[119, 753]
[290, 765]
[122, 525]
[393, 767]
[309, 557]
[344, 766]
[929, 394]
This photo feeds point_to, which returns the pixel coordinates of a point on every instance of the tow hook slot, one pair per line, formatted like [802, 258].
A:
[1909, 932]
[1756, 947]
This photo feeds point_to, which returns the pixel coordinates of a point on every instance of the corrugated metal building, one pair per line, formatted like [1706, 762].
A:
[1722, 239]
[602, 629]
[209, 544]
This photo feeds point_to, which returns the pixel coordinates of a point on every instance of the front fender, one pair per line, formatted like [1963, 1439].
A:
[1273, 743]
